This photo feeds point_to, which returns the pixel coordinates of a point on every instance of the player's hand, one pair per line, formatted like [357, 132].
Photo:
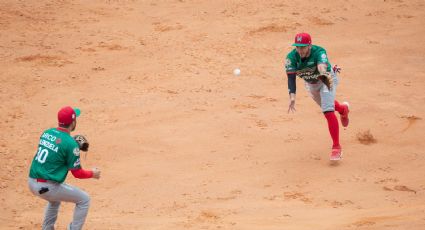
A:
[96, 173]
[291, 103]
[291, 106]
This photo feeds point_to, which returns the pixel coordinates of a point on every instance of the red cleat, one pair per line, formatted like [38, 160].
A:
[344, 115]
[336, 154]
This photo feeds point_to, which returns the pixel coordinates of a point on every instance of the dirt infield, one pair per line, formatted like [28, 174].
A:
[184, 144]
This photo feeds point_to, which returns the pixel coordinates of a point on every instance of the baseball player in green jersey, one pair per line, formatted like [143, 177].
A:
[310, 62]
[58, 152]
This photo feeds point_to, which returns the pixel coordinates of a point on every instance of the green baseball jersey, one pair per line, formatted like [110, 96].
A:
[307, 68]
[57, 153]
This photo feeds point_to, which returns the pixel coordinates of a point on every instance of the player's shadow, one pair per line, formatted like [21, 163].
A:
[334, 163]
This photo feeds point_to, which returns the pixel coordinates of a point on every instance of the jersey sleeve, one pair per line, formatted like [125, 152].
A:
[73, 156]
[322, 57]
[290, 64]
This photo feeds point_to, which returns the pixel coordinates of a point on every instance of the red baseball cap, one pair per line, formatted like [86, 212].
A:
[67, 115]
[302, 39]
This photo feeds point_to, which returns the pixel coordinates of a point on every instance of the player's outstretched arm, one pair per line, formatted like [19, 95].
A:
[292, 88]
[86, 174]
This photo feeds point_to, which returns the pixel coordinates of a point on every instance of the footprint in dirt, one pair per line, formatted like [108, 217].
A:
[272, 28]
[46, 60]
[261, 124]
[320, 21]
[369, 221]
[233, 195]
[338, 204]
[412, 119]
[386, 180]
[401, 188]
[297, 196]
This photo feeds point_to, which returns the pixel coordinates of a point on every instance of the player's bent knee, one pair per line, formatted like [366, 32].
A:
[85, 203]
[85, 200]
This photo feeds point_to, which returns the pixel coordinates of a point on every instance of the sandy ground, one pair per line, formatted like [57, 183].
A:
[184, 144]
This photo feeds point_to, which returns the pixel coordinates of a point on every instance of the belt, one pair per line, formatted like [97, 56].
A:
[40, 180]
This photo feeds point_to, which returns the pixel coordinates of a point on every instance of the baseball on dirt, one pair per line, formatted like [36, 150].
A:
[236, 72]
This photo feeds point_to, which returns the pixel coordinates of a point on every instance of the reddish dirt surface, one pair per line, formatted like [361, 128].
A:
[184, 144]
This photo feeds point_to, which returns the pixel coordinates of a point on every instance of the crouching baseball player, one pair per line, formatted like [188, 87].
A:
[310, 62]
[58, 152]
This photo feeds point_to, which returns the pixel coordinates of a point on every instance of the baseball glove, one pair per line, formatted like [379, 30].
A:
[82, 142]
[326, 78]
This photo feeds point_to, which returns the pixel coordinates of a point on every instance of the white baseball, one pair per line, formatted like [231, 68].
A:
[236, 72]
